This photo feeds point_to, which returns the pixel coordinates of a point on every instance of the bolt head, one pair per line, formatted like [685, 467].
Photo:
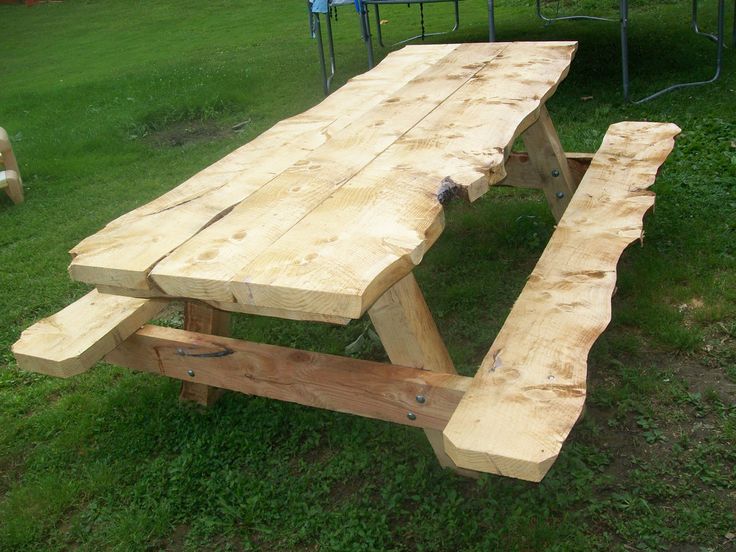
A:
[560, 195]
[411, 416]
[421, 399]
[555, 173]
[191, 373]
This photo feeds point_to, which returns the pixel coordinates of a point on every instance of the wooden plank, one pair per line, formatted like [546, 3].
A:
[202, 318]
[372, 231]
[548, 158]
[370, 389]
[520, 173]
[75, 338]
[7, 157]
[204, 266]
[238, 307]
[530, 389]
[122, 253]
[10, 179]
[10, 182]
[407, 330]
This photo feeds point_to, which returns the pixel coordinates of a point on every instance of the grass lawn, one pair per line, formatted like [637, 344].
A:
[111, 103]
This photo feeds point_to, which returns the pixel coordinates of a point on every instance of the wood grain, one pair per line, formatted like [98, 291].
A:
[74, 339]
[205, 265]
[376, 228]
[407, 330]
[202, 318]
[521, 173]
[548, 158]
[327, 232]
[530, 389]
[123, 253]
[237, 307]
[371, 389]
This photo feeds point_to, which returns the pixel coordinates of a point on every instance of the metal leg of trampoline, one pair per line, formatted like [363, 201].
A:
[365, 29]
[624, 22]
[492, 22]
[331, 50]
[317, 32]
[696, 27]
[719, 52]
[379, 32]
[550, 20]
[423, 34]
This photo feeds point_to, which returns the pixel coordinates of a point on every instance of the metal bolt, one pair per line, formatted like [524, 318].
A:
[421, 399]
[191, 373]
[560, 195]
[411, 416]
[555, 173]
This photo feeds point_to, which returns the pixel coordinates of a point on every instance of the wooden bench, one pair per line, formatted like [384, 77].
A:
[10, 180]
[332, 228]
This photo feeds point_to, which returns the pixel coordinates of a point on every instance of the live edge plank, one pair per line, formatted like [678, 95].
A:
[123, 252]
[530, 389]
[371, 389]
[373, 230]
[75, 338]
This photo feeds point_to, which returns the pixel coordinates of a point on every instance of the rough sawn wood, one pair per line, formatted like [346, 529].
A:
[326, 231]
[122, 254]
[72, 340]
[530, 389]
[372, 389]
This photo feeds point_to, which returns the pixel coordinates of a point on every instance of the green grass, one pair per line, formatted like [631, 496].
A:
[112, 103]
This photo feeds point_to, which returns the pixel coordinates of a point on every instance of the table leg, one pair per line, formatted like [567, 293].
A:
[410, 336]
[199, 317]
[548, 158]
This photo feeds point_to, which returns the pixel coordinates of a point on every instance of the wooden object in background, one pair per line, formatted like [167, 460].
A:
[10, 179]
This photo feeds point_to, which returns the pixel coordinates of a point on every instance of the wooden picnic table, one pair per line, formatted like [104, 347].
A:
[324, 217]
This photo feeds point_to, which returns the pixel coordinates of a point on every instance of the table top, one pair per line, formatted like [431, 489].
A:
[321, 214]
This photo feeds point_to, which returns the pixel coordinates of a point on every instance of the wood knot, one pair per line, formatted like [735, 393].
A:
[447, 191]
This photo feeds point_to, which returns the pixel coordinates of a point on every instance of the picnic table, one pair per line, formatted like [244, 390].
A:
[324, 217]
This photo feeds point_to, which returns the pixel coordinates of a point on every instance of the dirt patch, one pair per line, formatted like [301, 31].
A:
[178, 538]
[699, 371]
[188, 132]
[342, 490]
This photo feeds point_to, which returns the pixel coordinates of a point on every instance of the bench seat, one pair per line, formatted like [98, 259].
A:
[530, 389]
